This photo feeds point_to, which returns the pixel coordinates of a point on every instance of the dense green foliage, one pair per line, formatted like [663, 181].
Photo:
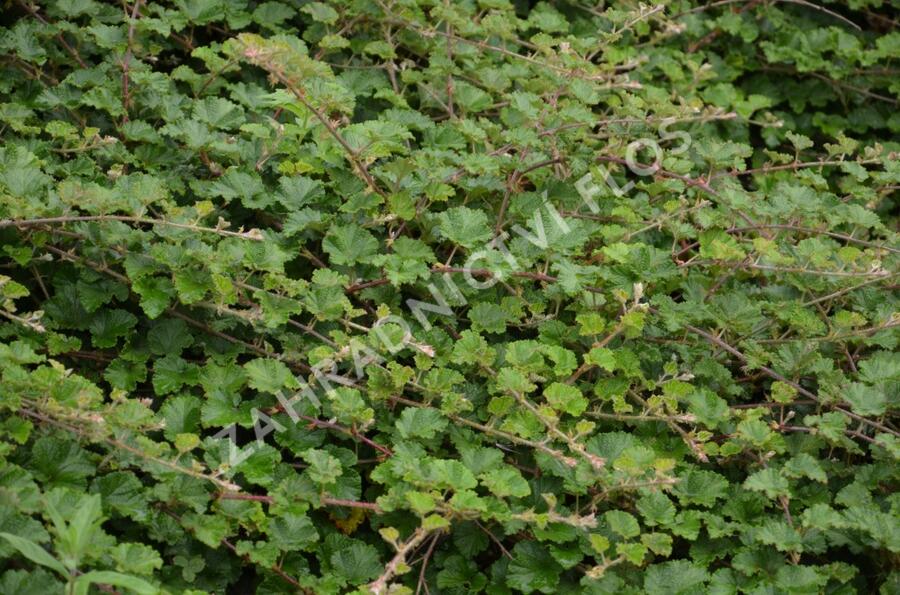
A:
[389, 296]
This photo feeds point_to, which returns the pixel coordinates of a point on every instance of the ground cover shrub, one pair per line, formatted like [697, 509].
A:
[421, 296]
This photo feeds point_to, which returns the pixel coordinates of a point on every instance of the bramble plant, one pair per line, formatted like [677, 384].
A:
[433, 296]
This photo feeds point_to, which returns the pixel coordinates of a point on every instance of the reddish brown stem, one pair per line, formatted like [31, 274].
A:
[126, 61]
[325, 500]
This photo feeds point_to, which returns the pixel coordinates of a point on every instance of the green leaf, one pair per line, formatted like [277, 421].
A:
[460, 573]
[35, 553]
[533, 569]
[272, 14]
[208, 529]
[822, 516]
[513, 381]
[123, 493]
[710, 409]
[125, 375]
[768, 481]
[622, 523]
[135, 558]
[700, 487]
[116, 579]
[171, 372]
[656, 508]
[156, 294]
[488, 317]
[506, 481]
[289, 532]
[804, 465]
[169, 336]
[244, 186]
[603, 357]
[451, 474]
[633, 552]
[658, 543]
[218, 112]
[599, 543]
[321, 12]
[82, 528]
[464, 226]
[865, 400]
[678, 577]
[32, 582]
[192, 285]
[800, 579]
[95, 292]
[323, 468]
[566, 398]
[778, 533]
[108, 325]
[755, 431]
[349, 244]
[420, 423]
[269, 375]
[181, 415]
[357, 563]
[718, 245]
[60, 462]
[471, 98]
[420, 502]
[471, 348]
